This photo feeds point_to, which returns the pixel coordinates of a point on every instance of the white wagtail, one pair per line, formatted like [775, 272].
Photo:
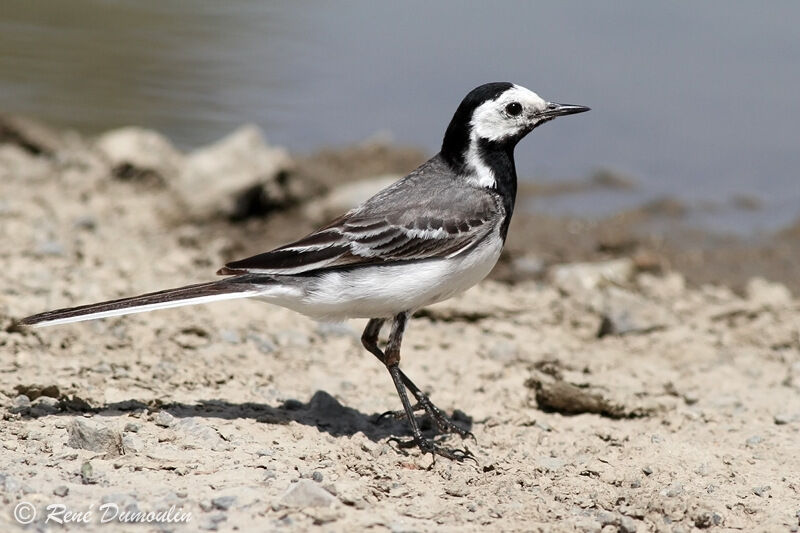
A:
[427, 237]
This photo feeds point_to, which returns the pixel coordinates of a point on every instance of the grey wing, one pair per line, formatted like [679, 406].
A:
[408, 221]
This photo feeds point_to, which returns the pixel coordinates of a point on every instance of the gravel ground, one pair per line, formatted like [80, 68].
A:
[602, 398]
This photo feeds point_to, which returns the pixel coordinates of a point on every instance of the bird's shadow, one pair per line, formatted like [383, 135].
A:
[322, 411]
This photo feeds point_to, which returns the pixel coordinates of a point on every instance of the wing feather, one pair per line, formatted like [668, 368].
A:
[440, 219]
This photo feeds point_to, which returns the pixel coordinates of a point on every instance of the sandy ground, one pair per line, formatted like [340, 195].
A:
[604, 397]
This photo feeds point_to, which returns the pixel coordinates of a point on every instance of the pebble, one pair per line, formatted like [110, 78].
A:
[647, 470]
[317, 476]
[306, 493]
[627, 525]
[21, 402]
[89, 434]
[61, 490]
[212, 522]
[132, 444]
[550, 464]
[755, 439]
[230, 336]
[263, 344]
[223, 503]
[676, 489]
[761, 491]
[626, 312]
[164, 419]
[784, 418]
[133, 427]
[580, 277]
[50, 248]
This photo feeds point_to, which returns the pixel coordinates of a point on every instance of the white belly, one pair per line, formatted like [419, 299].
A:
[382, 291]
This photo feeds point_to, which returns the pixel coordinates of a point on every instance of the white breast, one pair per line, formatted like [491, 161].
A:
[382, 291]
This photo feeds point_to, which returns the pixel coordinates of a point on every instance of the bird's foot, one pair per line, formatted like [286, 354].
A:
[443, 423]
[428, 446]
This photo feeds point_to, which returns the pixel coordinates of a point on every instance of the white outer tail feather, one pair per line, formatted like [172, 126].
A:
[144, 308]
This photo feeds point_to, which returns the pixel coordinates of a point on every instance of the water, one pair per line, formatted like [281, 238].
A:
[695, 100]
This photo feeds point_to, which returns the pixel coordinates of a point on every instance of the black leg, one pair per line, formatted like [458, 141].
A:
[391, 358]
[370, 341]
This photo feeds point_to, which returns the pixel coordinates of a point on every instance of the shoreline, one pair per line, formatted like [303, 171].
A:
[606, 390]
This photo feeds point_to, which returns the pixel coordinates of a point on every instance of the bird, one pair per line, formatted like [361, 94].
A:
[425, 238]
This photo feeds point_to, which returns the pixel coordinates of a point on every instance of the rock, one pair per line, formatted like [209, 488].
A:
[667, 287]
[580, 277]
[30, 135]
[132, 444]
[230, 336]
[528, 265]
[550, 464]
[784, 418]
[88, 434]
[763, 292]
[237, 176]
[35, 391]
[675, 489]
[137, 153]
[164, 419]
[306, 493]
[61, 491]
[21, 402]
[625, 312]
[223, 503]
[627, 525]
[347, 196]
[554, 393]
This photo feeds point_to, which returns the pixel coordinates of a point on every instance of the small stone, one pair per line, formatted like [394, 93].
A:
[61, 491]
[133, 427]
[89, 434]
[761, 491]
[50, 248]
[754, 440]
[87, 473]
[676, 489]
[767, 293]
[580, 277]
[550, 464]
[212, 522]
[707, 519]
[627, 525]
[306, 493]
[317, 476]
[164, 419]
[230, 336]
[783, 418]
[47, 404]
[624, 312]
[263, 344]
[223, 503]
[21, 402]
[132, 444]
[647, 470]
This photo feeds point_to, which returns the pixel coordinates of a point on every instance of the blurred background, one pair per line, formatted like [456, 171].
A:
[692, 101]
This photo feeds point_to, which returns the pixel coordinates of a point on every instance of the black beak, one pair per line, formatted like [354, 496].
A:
[554, 110]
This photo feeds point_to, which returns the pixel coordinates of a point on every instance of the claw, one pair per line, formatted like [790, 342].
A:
[428, 446]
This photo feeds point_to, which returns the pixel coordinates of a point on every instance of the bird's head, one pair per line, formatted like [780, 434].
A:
[497, 115]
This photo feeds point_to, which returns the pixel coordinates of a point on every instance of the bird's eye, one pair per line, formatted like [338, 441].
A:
[514, 109]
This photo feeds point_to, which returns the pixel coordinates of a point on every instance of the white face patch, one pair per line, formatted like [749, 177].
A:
[491, 121]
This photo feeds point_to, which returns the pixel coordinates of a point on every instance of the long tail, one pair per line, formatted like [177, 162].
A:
[235, 287]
